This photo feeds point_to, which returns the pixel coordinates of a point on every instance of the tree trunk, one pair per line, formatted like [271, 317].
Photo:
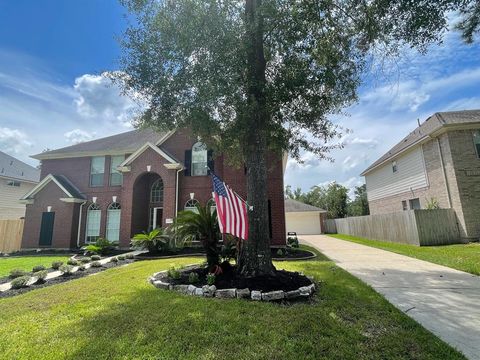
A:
[255, 257]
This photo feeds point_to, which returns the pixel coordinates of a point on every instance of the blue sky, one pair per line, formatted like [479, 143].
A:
[52, 95]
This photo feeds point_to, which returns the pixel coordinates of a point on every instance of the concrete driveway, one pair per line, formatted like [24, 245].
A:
[445, 301]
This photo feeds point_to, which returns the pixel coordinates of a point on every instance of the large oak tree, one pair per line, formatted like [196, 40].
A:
[264, 75]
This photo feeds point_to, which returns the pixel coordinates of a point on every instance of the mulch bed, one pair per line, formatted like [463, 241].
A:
[292, 254]
[62, 279]
[281, 280]
[183, 252]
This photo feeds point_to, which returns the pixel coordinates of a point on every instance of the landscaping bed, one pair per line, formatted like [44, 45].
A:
[292, 254]
[63, 278]
[187, 251]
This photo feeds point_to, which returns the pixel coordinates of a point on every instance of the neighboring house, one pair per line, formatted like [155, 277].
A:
[439, 160]
[303, 219]
[124, 184]
[16, 179]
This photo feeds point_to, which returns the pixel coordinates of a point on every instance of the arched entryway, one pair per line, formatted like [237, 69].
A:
[147, 203]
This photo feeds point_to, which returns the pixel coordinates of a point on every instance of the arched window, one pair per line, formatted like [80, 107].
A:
[199, 159]
[113, 222]
[191, 205]
[212, 204]
[156, 192]
[94, 217]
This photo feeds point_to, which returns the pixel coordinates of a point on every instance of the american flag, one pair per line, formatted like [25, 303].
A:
[231, 210]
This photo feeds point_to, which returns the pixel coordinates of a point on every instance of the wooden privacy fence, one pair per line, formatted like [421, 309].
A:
[416, 227]
[11, 235]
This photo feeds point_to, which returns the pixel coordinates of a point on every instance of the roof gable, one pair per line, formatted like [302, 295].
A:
[61, 181]
[143, 148]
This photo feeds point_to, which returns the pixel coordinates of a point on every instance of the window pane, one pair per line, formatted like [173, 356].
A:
[93, 225]
[415, 204]
[116, 177]
[96, 171]
[199, 159]
[476, 141]
[113, 224]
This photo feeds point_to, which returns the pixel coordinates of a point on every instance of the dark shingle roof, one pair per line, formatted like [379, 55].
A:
[126, 142]
[16, 169]
[429, 126]
[297, 206]
[72, 189]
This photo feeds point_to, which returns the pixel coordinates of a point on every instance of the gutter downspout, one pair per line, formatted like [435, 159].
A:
[176, 191]
[444, 174]
[80, 223]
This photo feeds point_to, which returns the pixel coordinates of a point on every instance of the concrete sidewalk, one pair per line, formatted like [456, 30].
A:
[445, 301]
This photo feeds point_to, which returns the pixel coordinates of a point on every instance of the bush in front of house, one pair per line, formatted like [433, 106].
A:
[82, 267]
[85, 260]
[38, 268]
[16, 273]
[129, 256]
[56, 265]
[173, 273]
[95, 257]
[20, 282]
[102, 246]
[66, 270]
[41, 276]
[72, 262]
[96, 264]
[280, 252]
[121, 257]
[211, 279]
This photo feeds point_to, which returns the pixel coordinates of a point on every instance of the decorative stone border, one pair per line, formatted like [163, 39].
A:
[160, 281]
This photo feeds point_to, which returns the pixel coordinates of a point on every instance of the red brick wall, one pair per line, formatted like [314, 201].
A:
[77, 170]
[65, 223]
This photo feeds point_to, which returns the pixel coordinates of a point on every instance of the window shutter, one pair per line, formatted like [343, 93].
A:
[210, 162]
[188, 162]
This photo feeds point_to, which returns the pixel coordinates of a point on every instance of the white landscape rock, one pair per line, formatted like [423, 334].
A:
[181, 288]
[273, 295]
[256, 295]
[225, 293]
[191, 289]
[198, 292]
[243, 293]
[209, 290]
[161, 285]
[292, 294]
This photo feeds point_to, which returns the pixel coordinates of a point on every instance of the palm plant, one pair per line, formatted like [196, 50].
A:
[152, 241]
[203, 226]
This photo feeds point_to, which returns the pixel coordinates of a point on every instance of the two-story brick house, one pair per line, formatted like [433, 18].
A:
[439, 160]
[124, 184]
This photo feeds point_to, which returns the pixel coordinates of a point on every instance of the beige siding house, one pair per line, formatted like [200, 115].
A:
[16, 179]
[439, 160]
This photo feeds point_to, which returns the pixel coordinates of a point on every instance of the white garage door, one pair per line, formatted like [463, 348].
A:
[303, 223]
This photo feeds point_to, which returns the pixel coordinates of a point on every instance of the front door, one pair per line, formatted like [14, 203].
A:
[156, 217]
[46, 229]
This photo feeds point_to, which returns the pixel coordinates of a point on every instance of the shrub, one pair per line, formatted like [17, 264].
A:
[85, 260]
[292, 241]
[114, 260]
[280, 252]
[211, 279]
[121, 257]
[95, 257]
[16, 273]
[41, 276]
[193, 278]
[38, 268]
[66, 270]
[105, 246]
[174, 273]
[56, 265]
[432, 204]
[72, 262]
[82, 268]
[96, 264]
[129, 256]
[92, 249]
[157, 240]
[20, 282]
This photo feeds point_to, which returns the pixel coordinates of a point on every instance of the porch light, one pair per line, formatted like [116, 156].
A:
[149, 167]
[49, 209]
[114, 199]
[192, 196]
[94, 199]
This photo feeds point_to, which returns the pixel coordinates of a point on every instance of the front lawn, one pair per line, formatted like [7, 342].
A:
[463, 257]
[26, 262]
[117, 314]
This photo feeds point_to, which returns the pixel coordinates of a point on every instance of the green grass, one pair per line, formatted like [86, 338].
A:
[464, 257]
[117, 314]
[26, 262]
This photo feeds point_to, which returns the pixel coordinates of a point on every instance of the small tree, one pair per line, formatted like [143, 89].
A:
[359, 205]
[152, 241]
[203, 226]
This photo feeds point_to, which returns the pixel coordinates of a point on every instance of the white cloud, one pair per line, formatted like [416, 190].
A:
[98, 97]
[13, 141]
[77, 136]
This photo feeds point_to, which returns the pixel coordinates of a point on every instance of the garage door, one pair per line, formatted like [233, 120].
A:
[303, 223]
